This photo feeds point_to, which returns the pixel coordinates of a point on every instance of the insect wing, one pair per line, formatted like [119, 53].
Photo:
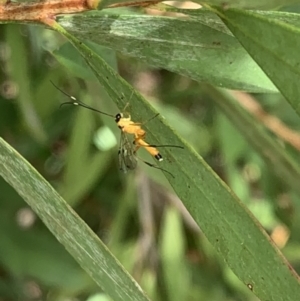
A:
[127, 158]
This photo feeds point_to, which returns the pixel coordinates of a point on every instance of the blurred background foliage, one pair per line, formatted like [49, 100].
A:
[137, 215]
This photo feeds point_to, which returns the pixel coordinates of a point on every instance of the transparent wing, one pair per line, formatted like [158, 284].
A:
[127, 158]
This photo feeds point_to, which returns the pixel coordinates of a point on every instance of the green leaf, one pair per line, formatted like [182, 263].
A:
[273, 43]
[225, 4]
[20, 69]
[81, 161]
[173, 256]
[228, 225]
[256, 134]
[248, 4]
[69, 57]
[185, 46]
[47, 254]
[68, 228]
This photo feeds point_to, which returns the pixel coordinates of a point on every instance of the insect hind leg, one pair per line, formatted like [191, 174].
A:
[154, 166]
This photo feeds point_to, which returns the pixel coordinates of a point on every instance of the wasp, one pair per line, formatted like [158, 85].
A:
[127, 151]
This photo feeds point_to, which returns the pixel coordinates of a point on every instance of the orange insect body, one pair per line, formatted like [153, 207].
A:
[153, 151]
[128, 126]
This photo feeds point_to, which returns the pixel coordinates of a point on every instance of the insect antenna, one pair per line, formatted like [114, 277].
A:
[77, 102]
[153, 117]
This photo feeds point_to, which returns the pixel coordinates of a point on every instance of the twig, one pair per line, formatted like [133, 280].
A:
[40, 11]
[271, 122]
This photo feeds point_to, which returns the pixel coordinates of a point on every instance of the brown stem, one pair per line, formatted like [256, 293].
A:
[39, 11]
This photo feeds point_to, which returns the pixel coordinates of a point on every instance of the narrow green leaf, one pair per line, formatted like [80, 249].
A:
[258, 4]
[273, 153]
[81, 161]
[173, 256]
[78, 151]
[185, 46]
[47, 255]
[228, 225]
[68, 228]
[69, 57]
[226, 4]
[19, 72]
[274, 44]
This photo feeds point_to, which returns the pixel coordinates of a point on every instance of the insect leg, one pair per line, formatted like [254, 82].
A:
[154, 166]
